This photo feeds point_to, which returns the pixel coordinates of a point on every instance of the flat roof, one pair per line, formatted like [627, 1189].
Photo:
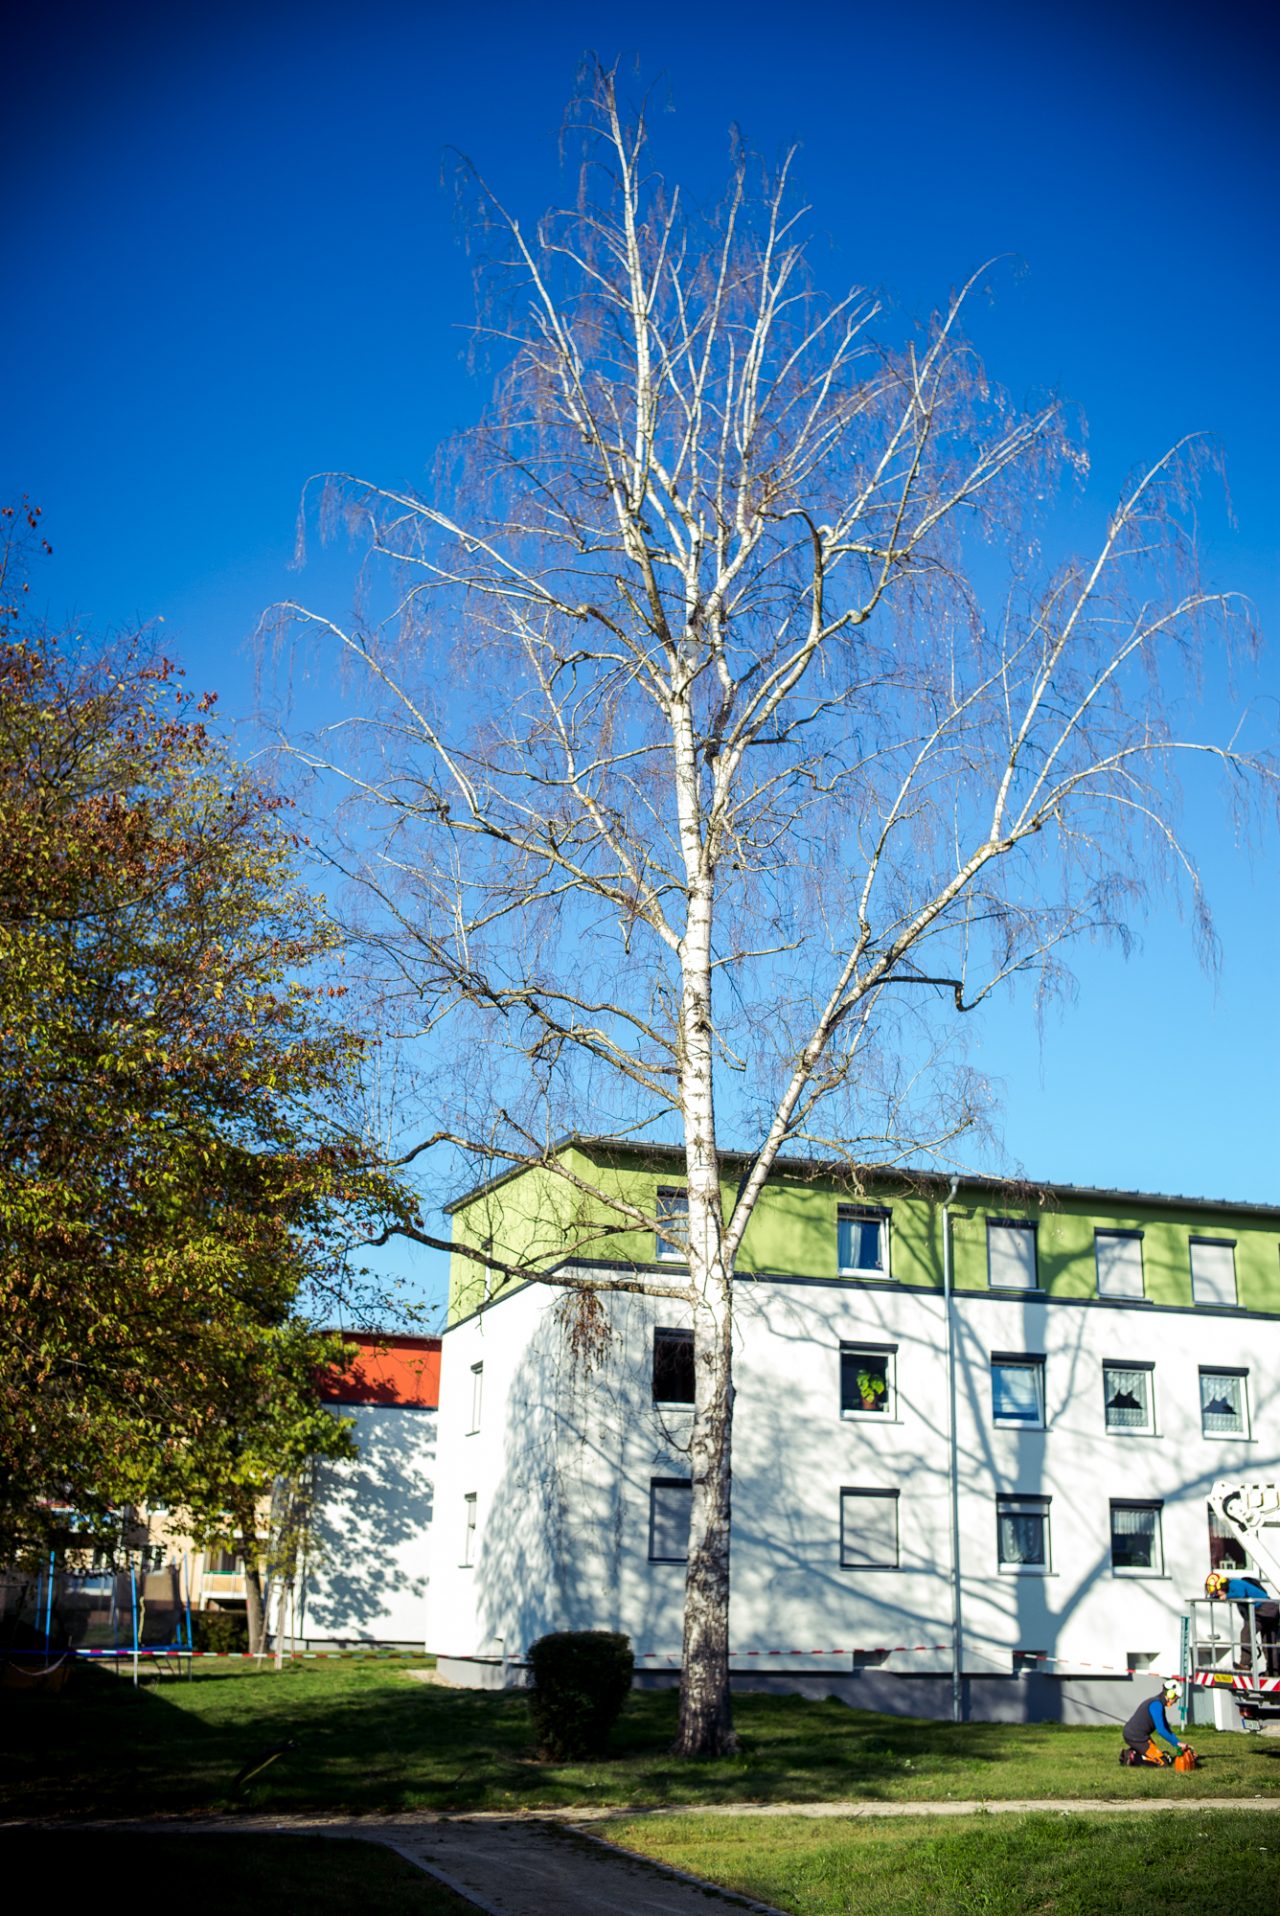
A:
[837, 1169]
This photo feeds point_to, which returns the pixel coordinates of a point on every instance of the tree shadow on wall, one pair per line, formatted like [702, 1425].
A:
[367, 1563]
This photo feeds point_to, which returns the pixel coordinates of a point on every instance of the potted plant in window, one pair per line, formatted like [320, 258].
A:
[871, 1389]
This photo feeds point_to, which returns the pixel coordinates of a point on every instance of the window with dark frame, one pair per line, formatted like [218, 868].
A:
[1213, 1270]
[469, 1530]
[673, 1209]
[1017, 1390]
[1022, 1533]
[869, 1530]
[1224, 1409]
[1011, 1254]
[670, 1509]
[477, 1393]
[862, 1240]
[1128, 1397]
[672, 1366]
[868, 1385]
[1137, 1549]
[1118, 1255]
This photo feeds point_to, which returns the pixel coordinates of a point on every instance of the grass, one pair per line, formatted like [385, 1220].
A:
[1062, 1864]
[215, 1875]
[368, 1739]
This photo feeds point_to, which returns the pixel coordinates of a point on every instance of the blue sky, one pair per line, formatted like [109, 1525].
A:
[232, 263]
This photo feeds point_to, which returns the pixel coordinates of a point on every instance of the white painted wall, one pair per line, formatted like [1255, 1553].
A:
[367, 1571]
[561, 1464]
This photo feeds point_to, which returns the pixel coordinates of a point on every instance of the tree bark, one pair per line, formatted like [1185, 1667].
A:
[706, 1715]
[254, 1608]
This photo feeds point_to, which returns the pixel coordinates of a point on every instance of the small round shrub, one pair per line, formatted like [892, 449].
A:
[225, 1630]
[580, 1682]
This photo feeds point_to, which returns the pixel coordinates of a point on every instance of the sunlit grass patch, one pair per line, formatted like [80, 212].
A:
[1043, 1864]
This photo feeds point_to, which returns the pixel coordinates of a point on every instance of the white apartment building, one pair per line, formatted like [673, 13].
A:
[993, 1498]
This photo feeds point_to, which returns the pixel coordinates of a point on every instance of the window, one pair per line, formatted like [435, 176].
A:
[1226, 1549]
[1022, 1533]
[1128, 1397]
[1119, 1255]
[469, 1530]
[862, 1241]
[1213, 1270]
[1224, 1410]
[1011, 1254]
[670, 1507]
[1017, 1391]
[867, 1383]
[1136, 1549]
[672, 1367]
[868, 1529]
[673, 1208]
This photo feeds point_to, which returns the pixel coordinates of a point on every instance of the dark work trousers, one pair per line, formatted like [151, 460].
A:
[1267, 1619]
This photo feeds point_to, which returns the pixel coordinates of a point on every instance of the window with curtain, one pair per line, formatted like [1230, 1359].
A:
[1127, 1395]
[1223, 1409]
[1017, 1391]
[862, 1241]
[1022, 1533]
[1136, 1547]
[1226, 1551]
[1119, 1258]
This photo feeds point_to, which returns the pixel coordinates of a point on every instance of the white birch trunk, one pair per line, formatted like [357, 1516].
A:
[706, 1717]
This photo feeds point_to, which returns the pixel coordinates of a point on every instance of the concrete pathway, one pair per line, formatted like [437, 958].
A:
[535, 1868]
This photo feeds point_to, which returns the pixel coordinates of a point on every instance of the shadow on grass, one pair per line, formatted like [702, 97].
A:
[364, 1740]
[306, 1875]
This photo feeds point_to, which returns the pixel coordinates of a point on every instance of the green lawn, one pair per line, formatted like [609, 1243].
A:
[217, 1875]
[367, 1738]
[1040, 1865]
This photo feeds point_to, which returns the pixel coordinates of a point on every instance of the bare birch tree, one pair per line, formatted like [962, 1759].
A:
[691, 753]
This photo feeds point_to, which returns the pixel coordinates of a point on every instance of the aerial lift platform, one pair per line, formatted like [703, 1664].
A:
[1238, 1662]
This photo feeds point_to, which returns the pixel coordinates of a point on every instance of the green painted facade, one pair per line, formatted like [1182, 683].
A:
[533, 1218]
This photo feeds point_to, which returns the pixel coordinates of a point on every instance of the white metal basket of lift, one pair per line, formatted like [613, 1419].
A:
[1227, 1648]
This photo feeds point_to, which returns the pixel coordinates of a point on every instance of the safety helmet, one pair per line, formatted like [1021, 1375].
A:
[1215, 1584]
[1169, 1689]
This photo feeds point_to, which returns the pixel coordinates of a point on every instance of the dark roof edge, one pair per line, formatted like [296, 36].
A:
[1026, 1188]
[420, 1340]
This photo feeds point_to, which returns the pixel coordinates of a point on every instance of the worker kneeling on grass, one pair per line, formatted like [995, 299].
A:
[1148, 1732]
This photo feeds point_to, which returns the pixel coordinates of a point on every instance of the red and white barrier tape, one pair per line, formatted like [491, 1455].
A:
[878, 1650]
[1215, 1680]
[907, 1649]
[232, 1656]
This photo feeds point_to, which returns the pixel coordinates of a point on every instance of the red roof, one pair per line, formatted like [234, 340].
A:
[390, 1369]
